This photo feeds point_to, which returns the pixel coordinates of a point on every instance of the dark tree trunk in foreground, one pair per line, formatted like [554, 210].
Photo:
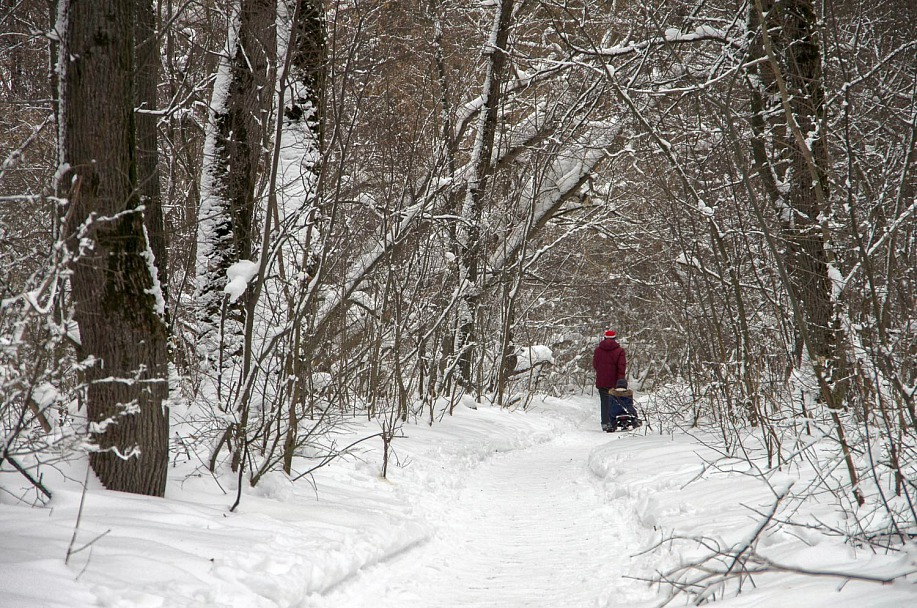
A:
[122, 333]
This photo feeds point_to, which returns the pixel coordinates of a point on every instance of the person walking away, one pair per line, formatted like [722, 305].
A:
[610, 364]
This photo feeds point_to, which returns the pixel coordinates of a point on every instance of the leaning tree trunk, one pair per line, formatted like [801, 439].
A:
[117, 305]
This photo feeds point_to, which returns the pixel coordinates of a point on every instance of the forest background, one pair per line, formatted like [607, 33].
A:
[228, 226]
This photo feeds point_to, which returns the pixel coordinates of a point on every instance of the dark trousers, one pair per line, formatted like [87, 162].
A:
[605, 406]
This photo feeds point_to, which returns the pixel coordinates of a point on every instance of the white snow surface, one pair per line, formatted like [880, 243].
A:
[487, 507]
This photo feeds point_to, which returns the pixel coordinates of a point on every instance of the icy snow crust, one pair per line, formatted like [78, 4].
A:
[486, 508]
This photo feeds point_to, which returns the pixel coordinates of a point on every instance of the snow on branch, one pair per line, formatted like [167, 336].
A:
[672, 35]
[238, 276]
[566, 174]
[365, 263]
[528, 357]
[875, 247]
[522, 81]
[16, 155]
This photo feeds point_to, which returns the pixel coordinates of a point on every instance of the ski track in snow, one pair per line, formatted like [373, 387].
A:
[560, 544]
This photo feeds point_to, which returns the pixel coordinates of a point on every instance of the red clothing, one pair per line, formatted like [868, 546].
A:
[609, 363]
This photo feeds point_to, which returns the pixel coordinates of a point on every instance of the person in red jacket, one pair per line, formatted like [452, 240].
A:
[610, 365]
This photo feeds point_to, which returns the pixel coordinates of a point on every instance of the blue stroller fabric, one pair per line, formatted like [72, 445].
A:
[621, 403]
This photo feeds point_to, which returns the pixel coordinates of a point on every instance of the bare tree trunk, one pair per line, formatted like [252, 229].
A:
[793, 147]
[792, 71]
[146, 70]
[240, 104]
[469, 233]
[117, 305]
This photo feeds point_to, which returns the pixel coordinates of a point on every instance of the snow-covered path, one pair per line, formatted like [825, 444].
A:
[530, 527]
[485, 508]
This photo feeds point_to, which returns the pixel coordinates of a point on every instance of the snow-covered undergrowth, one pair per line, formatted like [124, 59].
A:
[657, 501]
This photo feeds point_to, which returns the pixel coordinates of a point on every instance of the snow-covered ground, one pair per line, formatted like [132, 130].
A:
[486, 508]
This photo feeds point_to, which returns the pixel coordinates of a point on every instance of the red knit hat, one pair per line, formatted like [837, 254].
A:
[610, 334]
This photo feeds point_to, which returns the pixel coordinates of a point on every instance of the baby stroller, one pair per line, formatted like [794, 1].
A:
[622, 413]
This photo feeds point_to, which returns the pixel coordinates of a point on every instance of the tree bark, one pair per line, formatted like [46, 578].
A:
[793, 147]
[116, 302]
[146, 70]
[232, 153]
[469, 233]
[788, 42]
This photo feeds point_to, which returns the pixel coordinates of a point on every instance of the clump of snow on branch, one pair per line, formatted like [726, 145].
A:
[45, 395]
[239, 275]
[528, 357]
[705, 209]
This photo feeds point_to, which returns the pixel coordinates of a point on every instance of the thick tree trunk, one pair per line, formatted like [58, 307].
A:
[797, 146]
[117, 306]
[793, 148]
[233, 150]
[232, 153]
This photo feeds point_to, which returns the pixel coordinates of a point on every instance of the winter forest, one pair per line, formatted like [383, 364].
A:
[244, 239]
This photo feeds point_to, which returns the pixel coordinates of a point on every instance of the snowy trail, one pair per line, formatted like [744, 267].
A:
[530, 528]
[488, 508]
